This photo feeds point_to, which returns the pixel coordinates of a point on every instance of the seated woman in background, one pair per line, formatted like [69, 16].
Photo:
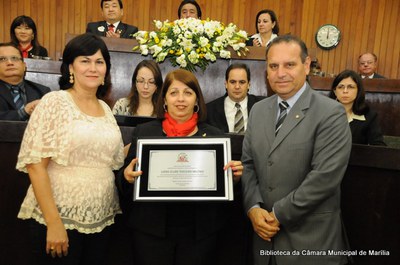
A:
[267, 29]
[146, 83]
[23, 33]
[348, 89]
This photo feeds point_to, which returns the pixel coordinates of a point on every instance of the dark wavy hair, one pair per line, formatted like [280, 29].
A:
[28, 21]
[359, 105]
[85, 45]
[193, 2]
[134, 95]
[189, 79]
[273, 19]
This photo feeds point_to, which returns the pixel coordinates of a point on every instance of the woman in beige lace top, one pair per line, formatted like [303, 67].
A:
[146, 84]
[70, 148]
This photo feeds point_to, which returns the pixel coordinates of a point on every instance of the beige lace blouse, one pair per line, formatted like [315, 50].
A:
[83, 150]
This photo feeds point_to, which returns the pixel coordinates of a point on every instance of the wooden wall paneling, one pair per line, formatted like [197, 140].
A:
[395, 62]
[392, 32]
[383, 35]
[378, 32]
[358, 34]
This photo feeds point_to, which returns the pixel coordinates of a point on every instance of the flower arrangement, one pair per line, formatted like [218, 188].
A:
[190, 42]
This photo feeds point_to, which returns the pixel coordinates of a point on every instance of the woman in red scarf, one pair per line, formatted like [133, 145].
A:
[180, 232]
[24, 34]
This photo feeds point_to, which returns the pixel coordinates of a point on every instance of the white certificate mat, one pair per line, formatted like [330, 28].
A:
[183, 168]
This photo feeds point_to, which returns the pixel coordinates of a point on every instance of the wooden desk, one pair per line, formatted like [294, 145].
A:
[383, 95]
[370, 196]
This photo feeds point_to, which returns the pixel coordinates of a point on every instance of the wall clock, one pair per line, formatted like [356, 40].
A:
[327, 36]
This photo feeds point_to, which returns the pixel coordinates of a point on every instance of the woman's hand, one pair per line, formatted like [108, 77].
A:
[57, 239]
[129, 174]
[256, 42]
[237, 169]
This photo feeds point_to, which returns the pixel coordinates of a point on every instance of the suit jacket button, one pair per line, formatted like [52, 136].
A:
[270, 163]
[270, 188]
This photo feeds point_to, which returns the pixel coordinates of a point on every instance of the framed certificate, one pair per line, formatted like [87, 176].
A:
[183, 169]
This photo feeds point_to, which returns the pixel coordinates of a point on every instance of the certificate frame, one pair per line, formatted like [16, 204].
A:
[181, 148]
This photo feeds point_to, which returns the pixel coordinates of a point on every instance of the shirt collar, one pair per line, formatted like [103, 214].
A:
[367, 77]
[353, 116]
[291, 101]
[232, 103]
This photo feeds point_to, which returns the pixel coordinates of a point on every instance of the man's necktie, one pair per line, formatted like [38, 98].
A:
[16, 93]
[239, 120]
[282, 115]
[111, 27]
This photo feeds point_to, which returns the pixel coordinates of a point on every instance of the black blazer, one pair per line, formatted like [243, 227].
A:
[368, 131]
[376, 75]
[216, 112]
[152, 217]
[126, 30]
[8, 109]
[42, 52]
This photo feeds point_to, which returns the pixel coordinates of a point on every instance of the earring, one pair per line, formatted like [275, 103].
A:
[71, 78]
[198, 108]
[102, 83]
[165, 108]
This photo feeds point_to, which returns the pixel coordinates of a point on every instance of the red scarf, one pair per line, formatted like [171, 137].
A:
[25, 51]
[172, 128]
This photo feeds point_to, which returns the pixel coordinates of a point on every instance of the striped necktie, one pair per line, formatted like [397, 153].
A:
[16, 93]
[239, 120]
[282, 115]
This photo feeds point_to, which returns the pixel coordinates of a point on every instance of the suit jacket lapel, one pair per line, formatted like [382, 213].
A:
[6, 94]
[269, 124]
[296, 114]
[122, 28]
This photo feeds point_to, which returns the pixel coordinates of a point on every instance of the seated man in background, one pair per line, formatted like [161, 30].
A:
[18, 97]
[189, 8]
[367, 64]
[112, 27]
[230, 112]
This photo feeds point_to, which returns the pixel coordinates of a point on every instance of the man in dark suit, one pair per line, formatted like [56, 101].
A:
[18, 97]
[367, 64]
[112, 27]
[222, 111]
[295, 153]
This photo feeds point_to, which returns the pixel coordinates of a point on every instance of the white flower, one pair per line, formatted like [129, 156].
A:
[225, 54]
[181, 61]
[158, 24]
[190, 43]
[101, 28]
[203, 41]
[193, 57]
[144, 50]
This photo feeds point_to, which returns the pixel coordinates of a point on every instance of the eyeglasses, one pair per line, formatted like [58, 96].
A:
[13, 59]
[142, 82]
[367, 63]
[349, 87]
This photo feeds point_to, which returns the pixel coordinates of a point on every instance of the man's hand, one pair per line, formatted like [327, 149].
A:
[264, 223]
[112, 34]
[30, 107]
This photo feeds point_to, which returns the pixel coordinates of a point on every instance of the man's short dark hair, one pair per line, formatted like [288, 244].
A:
[237, 66]
[193, 2]
[119, 2]
[12, 44]
[288, 39]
